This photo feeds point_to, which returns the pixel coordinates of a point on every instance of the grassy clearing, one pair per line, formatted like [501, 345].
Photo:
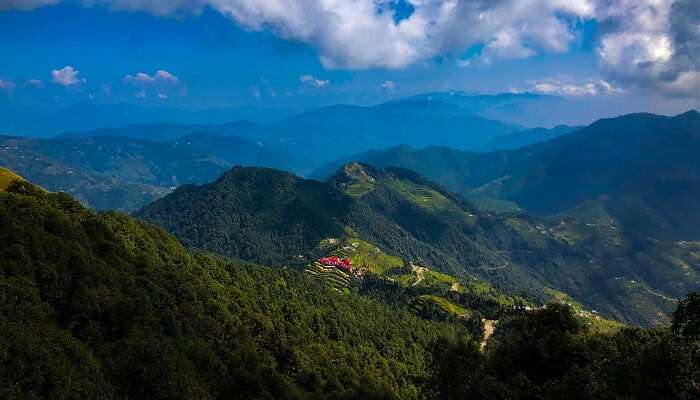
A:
[422, 196]
[6, 177]
[445, 305]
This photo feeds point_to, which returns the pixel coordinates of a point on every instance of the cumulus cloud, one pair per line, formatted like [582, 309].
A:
[35, 83]
[389, 86]
[66, 76]
[653, 44]
[142, 78]
[160, 82]
[564, 86]
[7, 85]
[166, 76]
[312, 81]
[139, 78]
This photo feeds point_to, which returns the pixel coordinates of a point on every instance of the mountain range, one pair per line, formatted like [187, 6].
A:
[324, 134]
[639, 168]
[274, 217]
[100, 305]
[110, 172]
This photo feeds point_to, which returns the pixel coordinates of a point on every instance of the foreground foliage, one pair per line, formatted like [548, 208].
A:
[101, 306]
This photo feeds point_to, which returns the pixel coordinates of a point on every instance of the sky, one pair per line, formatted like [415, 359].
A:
[636, 55]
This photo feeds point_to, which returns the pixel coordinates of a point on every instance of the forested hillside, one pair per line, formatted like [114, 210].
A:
[642, 169]
[102, 306]
[99, 305]
[273, 217]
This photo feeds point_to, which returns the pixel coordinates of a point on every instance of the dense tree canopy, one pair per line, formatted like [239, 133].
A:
[101, 306]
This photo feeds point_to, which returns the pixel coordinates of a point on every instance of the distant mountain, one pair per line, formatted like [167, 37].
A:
[108, 172]
[649, 158]
[331, 132]
[164, 132]
[528, 137]
[274, 217]
[324, 134]
[527, 109]
[47, 121]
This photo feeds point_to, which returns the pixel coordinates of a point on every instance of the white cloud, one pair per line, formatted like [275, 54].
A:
[160, 82]
[255, 92]
[139, 77]
[389, 86]
[166, 76]
[7, 85]
[35, 83]
[653, 44]
[313, 82]
[143, 78]
[66, 76]
[564, 86]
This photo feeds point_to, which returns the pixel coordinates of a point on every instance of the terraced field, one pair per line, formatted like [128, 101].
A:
[442, 303]
[422, 196]
[362, 254]
[330, 276]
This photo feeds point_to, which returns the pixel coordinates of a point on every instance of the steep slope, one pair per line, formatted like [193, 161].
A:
[627, 165]
[125, 173]
[7, 177]
[257, 214]
[403, 215]
[102, 306]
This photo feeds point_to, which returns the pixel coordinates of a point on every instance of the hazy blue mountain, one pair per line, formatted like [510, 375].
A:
[527, 137]
[526, 109]
[46, 121]
[328, 133]
[111, 172]
[642, 168]
[163, 132]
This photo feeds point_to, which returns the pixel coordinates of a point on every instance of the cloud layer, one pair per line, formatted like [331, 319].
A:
[653, 44]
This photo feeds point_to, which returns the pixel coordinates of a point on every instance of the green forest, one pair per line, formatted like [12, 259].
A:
[102, 306]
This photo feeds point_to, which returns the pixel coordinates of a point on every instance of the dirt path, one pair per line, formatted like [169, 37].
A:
[489, 326]
[660, 295]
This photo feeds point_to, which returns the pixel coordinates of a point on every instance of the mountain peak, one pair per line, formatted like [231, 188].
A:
[690, 114]
[355, 179]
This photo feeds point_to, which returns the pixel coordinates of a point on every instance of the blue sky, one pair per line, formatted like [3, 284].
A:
[230, 54]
